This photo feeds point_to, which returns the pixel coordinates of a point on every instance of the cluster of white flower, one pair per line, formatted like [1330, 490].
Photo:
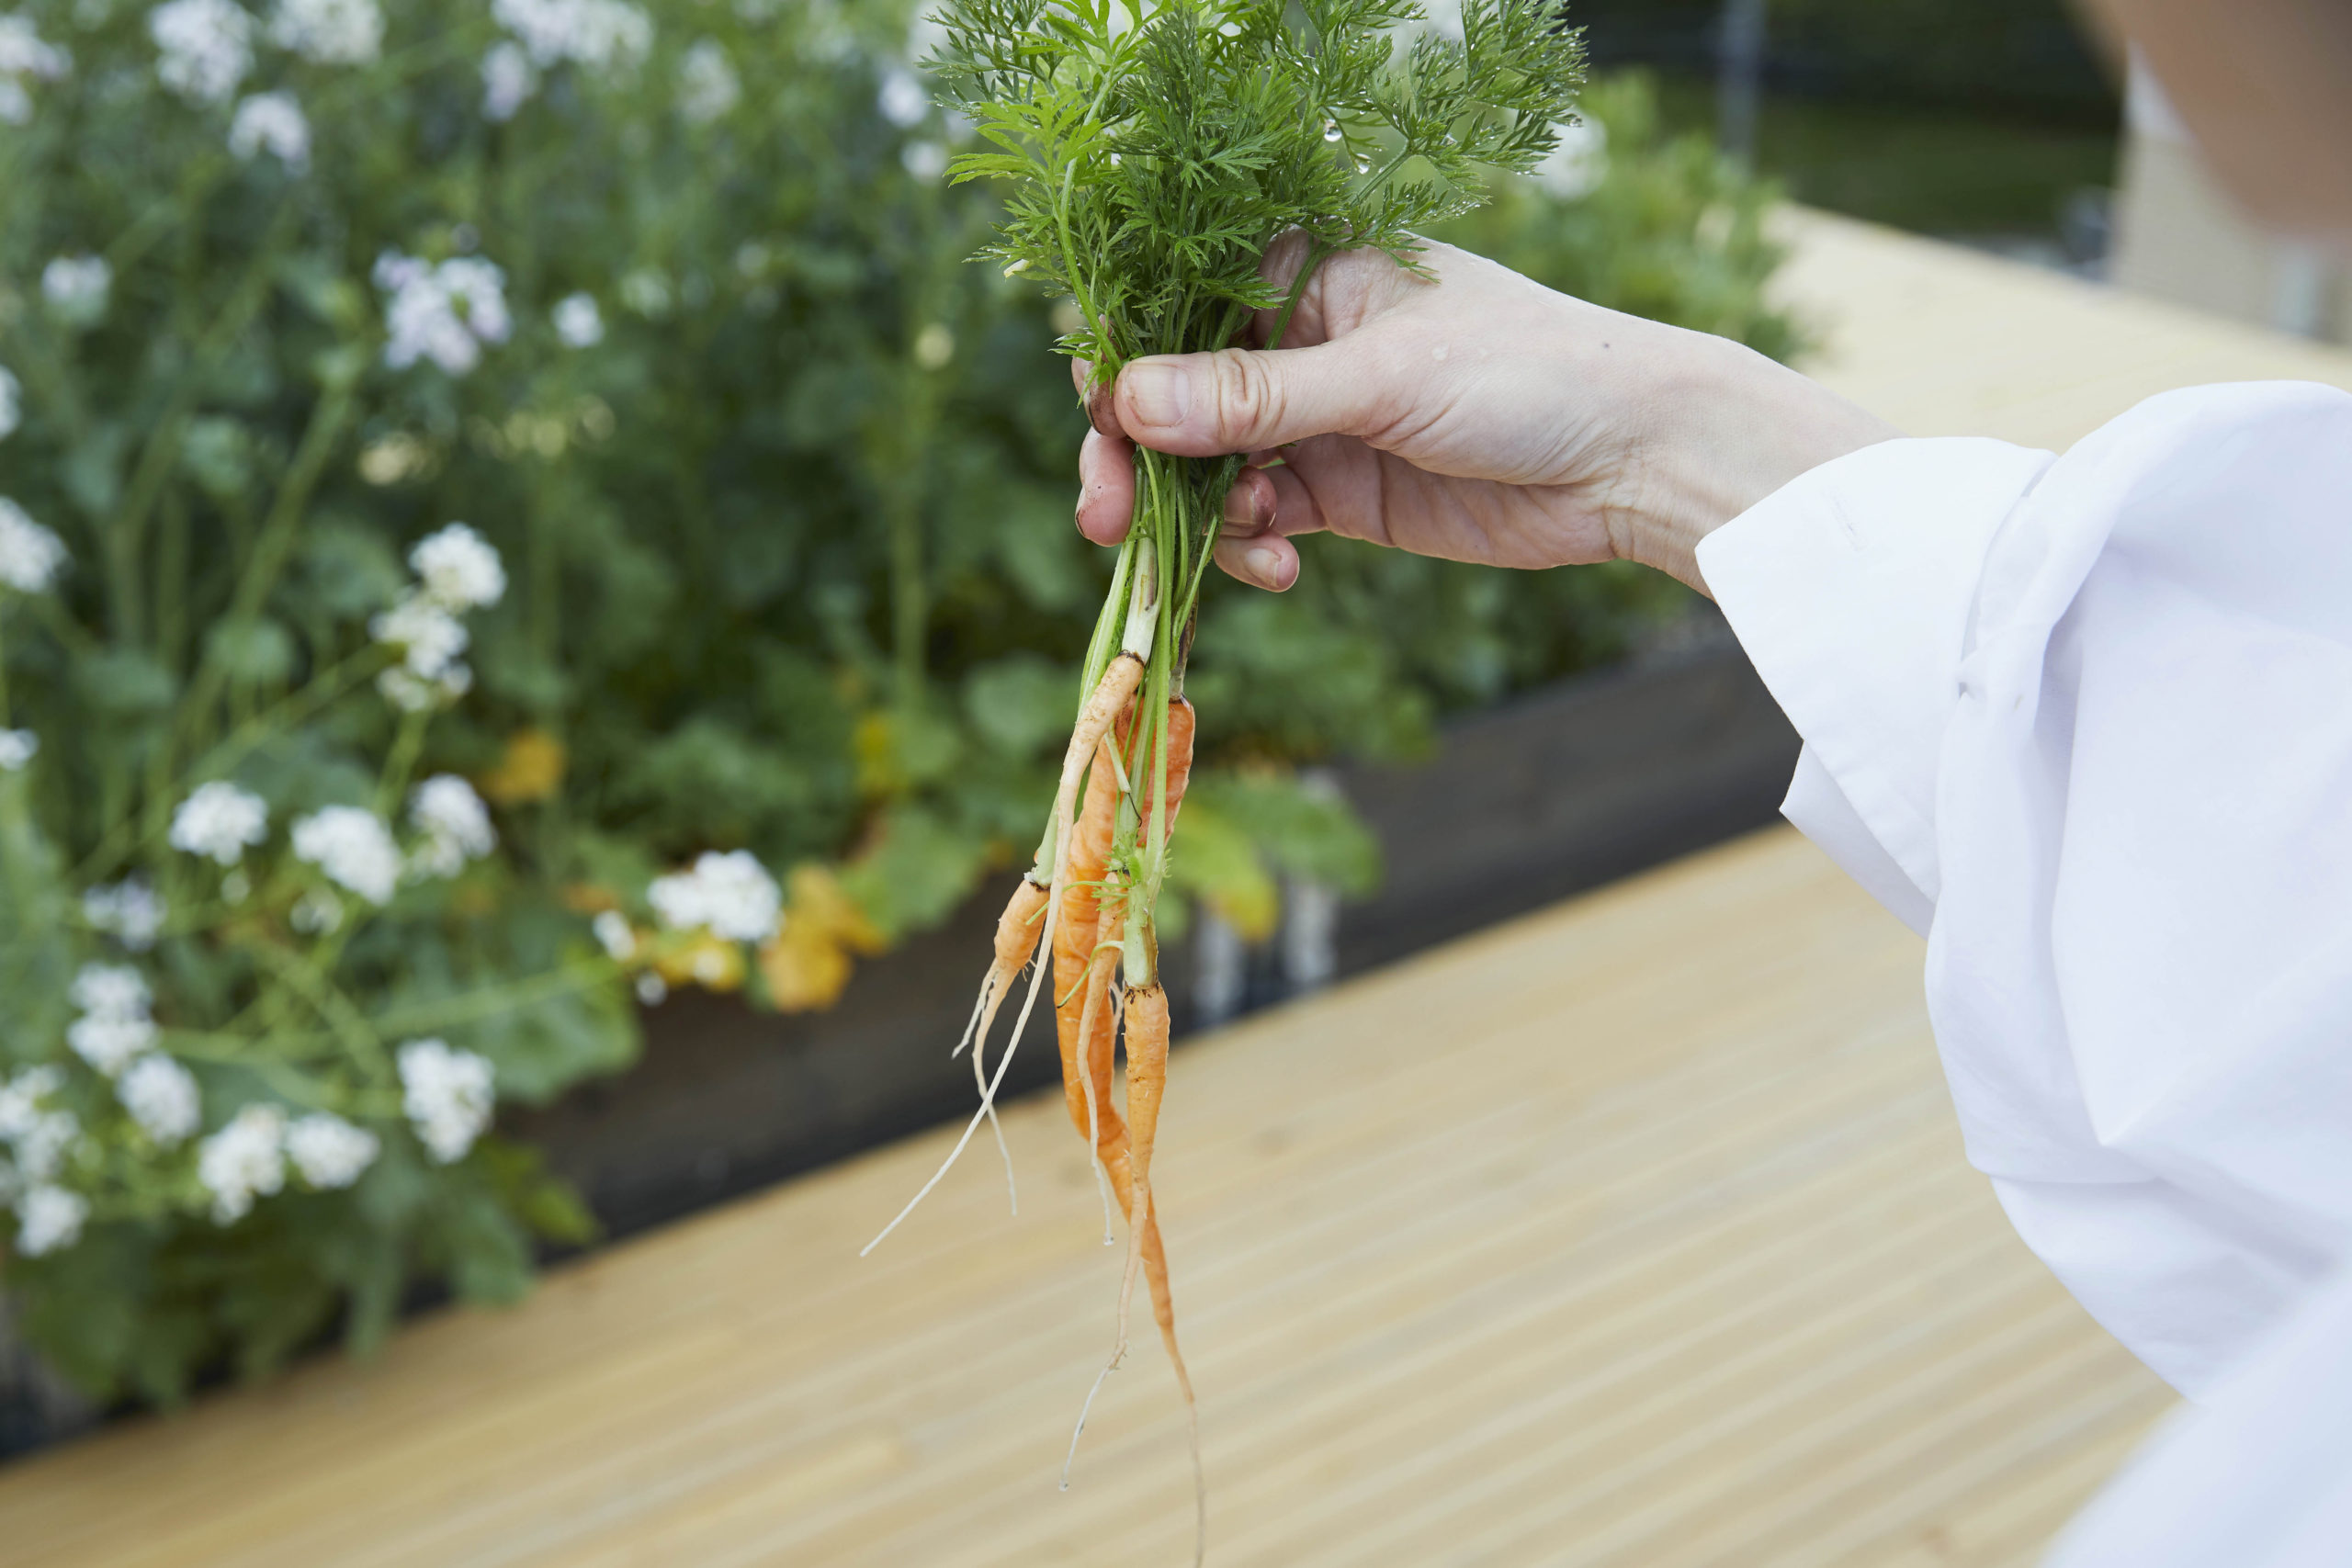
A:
[205, 47]
[458, 569]
[601, 35]
[578, 321]
[455, 825]
[29, 554]
[161, 1097]
[352, 847]
[76, 289]
[429, 639]
[731, 896]
[23, 55]
[17, 748]
[447, 1096]
[444, 313]
[219, 821]
[130, 912]
[330, 32]
[707, 85]
[12, 402]
[116, 1023]
[242, 1161]
[47, 1217]
[272, 123]
[507, 81]
[1578, 164]
[329, 1151]
[37, 1136]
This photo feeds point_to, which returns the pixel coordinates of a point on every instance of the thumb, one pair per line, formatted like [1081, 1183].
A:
[1243, 399]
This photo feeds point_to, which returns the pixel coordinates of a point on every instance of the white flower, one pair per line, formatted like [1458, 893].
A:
[924, 160]
[109, 1043]
[601, 35]
[613, 935]
[447, 1096]
[49, 1218]
[329, 1151]
[111, 990]
[22, 55]
[707, 85]
[412, 693]
[429, 638]
[651, 989]
[20, 1098]
[242, 1161]
[207, 47]
[272, 123]
[902, 100]
[115, 1025]
[455, 823]
[443, 313]
[1578, 164]
[578, 321]
[17, 748]
[76, 289]
[354, 847]
[12, 402]
[41, 1146]
[29, 554]
[220, 821]
[458, 568]
[22, 52]
[730, 895]
[330, 32]
[130, 910]
[161, 1096]
[507, 81]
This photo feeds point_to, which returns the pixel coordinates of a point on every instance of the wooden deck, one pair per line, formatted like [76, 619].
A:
[1633, 1232]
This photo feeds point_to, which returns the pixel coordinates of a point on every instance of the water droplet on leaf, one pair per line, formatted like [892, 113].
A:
[1330, 130]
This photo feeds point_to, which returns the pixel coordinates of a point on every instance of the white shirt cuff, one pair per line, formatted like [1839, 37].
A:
[1850, 589]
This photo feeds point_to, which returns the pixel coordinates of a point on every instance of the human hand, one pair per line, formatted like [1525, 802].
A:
[1477, 416]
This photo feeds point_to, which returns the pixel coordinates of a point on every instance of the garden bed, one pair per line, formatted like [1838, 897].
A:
[1546, 795]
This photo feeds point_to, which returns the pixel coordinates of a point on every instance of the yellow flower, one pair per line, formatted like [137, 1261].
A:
[531, 769]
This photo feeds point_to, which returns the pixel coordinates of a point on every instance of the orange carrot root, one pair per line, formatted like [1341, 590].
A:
[1147, 1020]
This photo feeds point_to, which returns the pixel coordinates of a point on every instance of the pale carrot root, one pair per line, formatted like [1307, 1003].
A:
[1016, 937]
[1111, 693]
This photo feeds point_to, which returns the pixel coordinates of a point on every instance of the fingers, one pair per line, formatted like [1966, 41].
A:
[1239, 400]
[1106, 486]
[1269, 561]
[1097, 398]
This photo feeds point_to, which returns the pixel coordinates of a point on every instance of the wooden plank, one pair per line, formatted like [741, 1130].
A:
[1634, 1231]
[1947, 342]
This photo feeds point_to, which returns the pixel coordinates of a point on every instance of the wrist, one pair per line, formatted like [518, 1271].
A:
[1726, 427]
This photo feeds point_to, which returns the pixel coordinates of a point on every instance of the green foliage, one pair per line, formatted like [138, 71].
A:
[779, 489]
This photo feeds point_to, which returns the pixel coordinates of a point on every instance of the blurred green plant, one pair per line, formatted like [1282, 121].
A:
[326, 824]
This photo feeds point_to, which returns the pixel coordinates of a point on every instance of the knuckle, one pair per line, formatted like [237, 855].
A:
[1248, 398]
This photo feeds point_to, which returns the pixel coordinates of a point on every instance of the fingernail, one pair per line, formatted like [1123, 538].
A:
[1248, 505]
[1264, 564]
[1159, 394]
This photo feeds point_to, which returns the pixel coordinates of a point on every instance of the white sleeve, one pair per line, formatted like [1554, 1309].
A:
[2088, 720]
